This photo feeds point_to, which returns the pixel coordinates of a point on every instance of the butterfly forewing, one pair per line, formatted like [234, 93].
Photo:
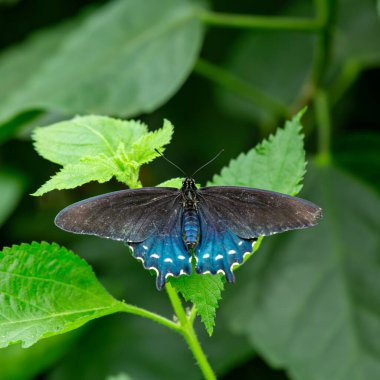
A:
[128, 215]
[250, 213]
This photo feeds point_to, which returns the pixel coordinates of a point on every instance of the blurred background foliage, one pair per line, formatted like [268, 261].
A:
[307, 306]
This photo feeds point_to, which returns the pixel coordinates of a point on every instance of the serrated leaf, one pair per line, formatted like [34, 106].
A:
[277, 164]
[204, 291]
[123, 58]
[100, 169]
[314, 307]
[97, 148]
[143, 150]
[46, 290]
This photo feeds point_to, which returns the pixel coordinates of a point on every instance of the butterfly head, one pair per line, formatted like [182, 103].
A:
[188, 184]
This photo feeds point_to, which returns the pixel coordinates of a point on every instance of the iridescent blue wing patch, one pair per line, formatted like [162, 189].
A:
[164, 251]
[219, 249]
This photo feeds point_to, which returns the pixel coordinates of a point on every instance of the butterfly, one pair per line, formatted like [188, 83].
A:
[166, 227]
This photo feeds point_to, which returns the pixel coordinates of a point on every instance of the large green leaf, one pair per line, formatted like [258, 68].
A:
[125, 58]
[311, 303]
[46, 290]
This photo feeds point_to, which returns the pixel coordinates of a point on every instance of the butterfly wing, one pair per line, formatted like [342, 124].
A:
[148, 219]
[219, 249]
[128, 215]
[232, 218]
[250, 213]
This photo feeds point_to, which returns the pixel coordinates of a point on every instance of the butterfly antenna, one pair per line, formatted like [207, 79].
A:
[207, 163]
[161, 154]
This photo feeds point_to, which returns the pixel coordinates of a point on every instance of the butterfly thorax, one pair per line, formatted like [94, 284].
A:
[190, 221]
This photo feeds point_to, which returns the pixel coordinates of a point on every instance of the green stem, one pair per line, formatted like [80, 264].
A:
[260, 22]
[323, 119]
[188, 332]
[240, 87]
[150, 315]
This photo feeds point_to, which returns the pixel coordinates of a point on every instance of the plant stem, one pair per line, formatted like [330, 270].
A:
[323, 119]
[260, 22]
[188, 332]
[325, 14]
[239, 86]
[150, 315]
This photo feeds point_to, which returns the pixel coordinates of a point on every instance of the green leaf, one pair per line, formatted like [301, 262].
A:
[143, 149]
[97, 148]
[204, 291]
[311, 303]
[174, 182]
[123, 58]
[277, 164]
[11, 189]
[46, 290]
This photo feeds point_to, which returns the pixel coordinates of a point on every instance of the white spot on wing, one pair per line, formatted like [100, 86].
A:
[231, 252]
[168, 260]
[154, 256]
[181, 257]
[241, 242]
[219, 257]
[145, 247]
[206, 255]
[206, 272]
[221, 271]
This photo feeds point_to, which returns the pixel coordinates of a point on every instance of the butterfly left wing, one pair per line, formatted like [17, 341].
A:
[147, 219]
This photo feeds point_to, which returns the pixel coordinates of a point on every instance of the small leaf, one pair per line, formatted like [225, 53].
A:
[97, 148]
[46, 290]
[277, 164]
[204, 291]
[174, 182]
[143, 150]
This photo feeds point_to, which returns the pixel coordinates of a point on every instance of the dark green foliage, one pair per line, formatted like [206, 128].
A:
[307, 302]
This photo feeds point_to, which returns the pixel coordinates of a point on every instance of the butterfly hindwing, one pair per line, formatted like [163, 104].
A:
[250, 213]
[164, 251]
[219, 249]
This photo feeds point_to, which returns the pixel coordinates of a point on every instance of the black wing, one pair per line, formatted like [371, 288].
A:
[128, 215]
[250, 213]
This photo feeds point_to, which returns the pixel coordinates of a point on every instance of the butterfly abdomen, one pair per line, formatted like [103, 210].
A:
[190, 227]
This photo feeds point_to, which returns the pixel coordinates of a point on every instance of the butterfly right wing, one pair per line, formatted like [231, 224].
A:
[130, 215]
